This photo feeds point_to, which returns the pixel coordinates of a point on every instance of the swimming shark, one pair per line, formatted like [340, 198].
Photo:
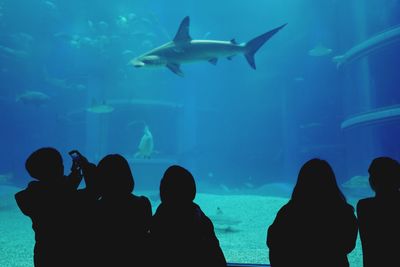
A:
[183, 49]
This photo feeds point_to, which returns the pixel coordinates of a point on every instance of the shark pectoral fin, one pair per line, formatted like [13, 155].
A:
[175, 68]
[213, 61]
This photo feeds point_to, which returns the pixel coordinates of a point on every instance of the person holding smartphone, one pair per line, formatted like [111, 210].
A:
[48, 202]
[85, 225]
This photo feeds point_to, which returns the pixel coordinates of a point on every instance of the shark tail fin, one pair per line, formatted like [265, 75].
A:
[253, 45]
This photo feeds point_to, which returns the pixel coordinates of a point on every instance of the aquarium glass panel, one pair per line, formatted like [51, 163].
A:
[240, 93]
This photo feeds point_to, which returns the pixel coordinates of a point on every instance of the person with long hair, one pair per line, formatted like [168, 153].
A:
[123, 217]
[317, 227]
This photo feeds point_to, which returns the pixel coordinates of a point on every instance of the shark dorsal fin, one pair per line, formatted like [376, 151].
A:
[233, 41]
[182, 34]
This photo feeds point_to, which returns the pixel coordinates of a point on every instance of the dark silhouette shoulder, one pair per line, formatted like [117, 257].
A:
[379, 216]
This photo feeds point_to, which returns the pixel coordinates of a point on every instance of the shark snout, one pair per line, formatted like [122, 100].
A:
[136, 63]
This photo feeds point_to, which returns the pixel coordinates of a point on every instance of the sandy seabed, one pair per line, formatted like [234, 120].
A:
[241, 223]
[256, 213]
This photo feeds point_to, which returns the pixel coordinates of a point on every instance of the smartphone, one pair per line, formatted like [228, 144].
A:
[74, 155]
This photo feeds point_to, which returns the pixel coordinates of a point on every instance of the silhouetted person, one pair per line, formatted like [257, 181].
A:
[379, 216]
[124, 218]
[316, 227]
[47, 202]
[182, 234]
[85, 225]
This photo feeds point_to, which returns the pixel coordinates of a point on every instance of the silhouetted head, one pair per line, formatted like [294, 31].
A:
[177, 185]
[384, 175]
[115, 176]
[317, 182]
[45, 164]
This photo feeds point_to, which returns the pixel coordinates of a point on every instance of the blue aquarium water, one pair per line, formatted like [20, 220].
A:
[325, 85]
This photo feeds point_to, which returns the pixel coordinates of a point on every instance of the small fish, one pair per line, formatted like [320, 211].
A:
[226, 229]
[206, 35]
[58, 83]
[319, 51]
[100, 108]
[63, 36]
[147, 43]
[249, 185]
[75, 43]
[23, 39]
[132, 16]
[33, 97]
[299, 79]
[80, 87]
[9, 52]
[224, 188]
[220, 219]
[127, 52]
[122, 21]
[50, 5]
[90, 24]
[103, 25]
